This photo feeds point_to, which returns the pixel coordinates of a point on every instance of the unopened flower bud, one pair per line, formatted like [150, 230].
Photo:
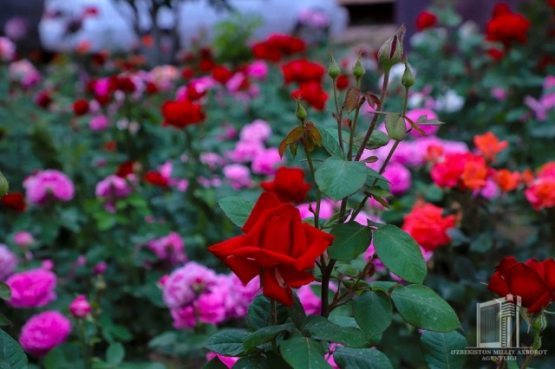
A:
[395, 126]
[80, 307]
[358, 70]
[333, 70]
[408, 78]
[391, 52]
[4, 185]
[301, 111]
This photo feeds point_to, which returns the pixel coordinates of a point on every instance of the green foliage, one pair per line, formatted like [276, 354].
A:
[339, 178]
[11, 354]
[423, 308]
[437, 349]
[400, 253]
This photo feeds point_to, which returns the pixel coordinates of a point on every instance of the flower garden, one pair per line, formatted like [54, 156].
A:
[276, 207]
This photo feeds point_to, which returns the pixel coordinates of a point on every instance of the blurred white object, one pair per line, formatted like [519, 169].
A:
[450, 102]
[111, 27]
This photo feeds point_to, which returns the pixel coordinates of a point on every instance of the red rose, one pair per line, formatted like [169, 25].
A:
[495, 54]
[126, 168]
[302, 70]
[276, 245]
[43, 99]
[427, 225]
[182, 113]
[533, 281]
[425, 20]
[193, 93]
[156, 178]
[14, 201]
[288, 185]
[80, 107]
[507, 27]
[313, 94]
[122, 83]
[277, 46]
[221, 74]
[342, 82]
[467, 170]
[187, 73]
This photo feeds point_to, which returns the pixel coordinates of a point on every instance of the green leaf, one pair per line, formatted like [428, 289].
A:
[437, 349]
[115, 353]
[331, 142]
[351, 240]
[4, 321]
[320, 328]
[400, 253]
[236, 209]
[259, 313]
[252, 363]
[339, 178]
[482, 243]
[377, 139]
[303, 353]
[227, 342]
[265, 334]
[11, 354]
[373, 313]
[423, 308]
[384, 286]
[348, 358]
[5, 291]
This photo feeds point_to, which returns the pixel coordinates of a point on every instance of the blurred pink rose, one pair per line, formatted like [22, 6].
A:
[170, 248]
[23, 239]
[98, 123]
[80, 307]
[43, 332]
[33, 288]
[399, 178]
[8, 262]
[266, 162]
[238, 175]
[46, 185]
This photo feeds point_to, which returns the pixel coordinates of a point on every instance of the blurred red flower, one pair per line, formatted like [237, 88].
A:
[182, 113]
[426, 19]
[427, 225]
[288, 185]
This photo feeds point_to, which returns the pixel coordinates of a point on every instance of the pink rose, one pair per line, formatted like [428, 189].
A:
[48, 185]
[33, 288]
[43, 332]
[80, 307]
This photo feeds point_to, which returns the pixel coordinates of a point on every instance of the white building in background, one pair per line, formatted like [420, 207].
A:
[112, 27]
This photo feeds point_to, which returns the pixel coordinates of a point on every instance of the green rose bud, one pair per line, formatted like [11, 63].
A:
[301, 111]
[408, 78]
[333, 69]
[391, 52]
[358, 70]
[4, 185]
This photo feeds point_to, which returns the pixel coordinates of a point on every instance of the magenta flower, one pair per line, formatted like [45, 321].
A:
[399, 178]
[43, 332]
[266, 162]
[238, 175]
[48, 185]
[185, 283]
[80, 307]
[33, 288]
[8, 262]
[170, 248]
